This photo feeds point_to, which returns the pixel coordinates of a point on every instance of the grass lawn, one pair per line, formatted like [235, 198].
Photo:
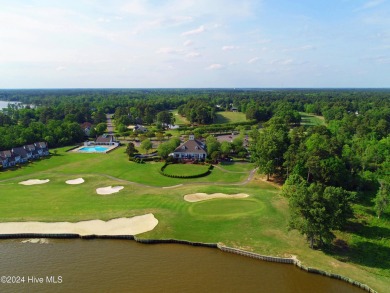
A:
[311, 119]
[179, 120]
[230, 117]
[185, 169]
[257, 223]
[236, 166]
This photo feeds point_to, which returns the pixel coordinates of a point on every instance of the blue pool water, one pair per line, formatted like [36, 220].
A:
[94, 149]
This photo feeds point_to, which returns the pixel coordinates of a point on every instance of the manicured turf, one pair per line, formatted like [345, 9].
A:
[117, 165]
[179, 120]
[230, 117]
[227, 208]
[185, 169]
[236, 167]
[311, 119]
[257, 223]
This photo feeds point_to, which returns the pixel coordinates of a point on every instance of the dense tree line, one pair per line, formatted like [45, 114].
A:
[198, 111]
[324, 164]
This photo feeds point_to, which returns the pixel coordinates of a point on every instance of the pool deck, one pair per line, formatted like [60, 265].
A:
[109, 149]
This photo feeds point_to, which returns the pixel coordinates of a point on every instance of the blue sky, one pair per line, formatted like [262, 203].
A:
[194, 43]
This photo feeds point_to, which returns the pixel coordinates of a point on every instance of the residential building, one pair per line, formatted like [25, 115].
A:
[192, 149]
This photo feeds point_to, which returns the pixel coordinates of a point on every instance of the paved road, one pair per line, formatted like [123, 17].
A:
[110, 126]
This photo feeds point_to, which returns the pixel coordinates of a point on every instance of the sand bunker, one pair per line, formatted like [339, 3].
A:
[109, 190]
[34, 182]
[194, 197]
[75, 181]
[122, 226]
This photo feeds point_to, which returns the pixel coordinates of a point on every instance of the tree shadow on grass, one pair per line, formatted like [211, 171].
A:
[363, 253]
[371, 232]
[221, 119]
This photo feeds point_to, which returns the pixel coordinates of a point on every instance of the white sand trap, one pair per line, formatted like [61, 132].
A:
[122, 226]
[194, 197]
[109, 190]
[75, 181]
[34, 182]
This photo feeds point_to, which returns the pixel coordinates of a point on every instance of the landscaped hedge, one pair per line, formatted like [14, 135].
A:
[147, 159]
[185, 176]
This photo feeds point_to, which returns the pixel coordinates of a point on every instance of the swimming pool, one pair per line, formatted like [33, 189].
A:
[94, 149]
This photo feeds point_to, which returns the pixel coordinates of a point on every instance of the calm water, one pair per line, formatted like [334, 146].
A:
[98, 149]
[127, 266]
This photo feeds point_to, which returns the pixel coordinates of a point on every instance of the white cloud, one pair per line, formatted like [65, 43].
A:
[60, 68]
[253, 60]
[370, 4]
[215, 66]
[281, 62]
[197, 31]
[188, 43]
[169, 50]
[193, 55]
[228, 48]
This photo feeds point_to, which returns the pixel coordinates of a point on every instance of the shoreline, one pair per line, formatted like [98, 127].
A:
[293, 260]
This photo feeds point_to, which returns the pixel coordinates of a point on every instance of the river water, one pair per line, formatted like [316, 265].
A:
[126, 266]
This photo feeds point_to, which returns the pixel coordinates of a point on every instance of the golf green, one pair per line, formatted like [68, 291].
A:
[226, 207]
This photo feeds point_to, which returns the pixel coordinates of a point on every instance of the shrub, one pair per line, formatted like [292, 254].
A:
[185, 176]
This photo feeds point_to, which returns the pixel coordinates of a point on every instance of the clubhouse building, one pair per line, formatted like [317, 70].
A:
[192, 149]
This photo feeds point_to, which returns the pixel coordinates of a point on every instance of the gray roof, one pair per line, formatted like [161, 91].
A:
[105, 138]
[6, 154]
[191, 146]
[41, 145]
[30, 147]
[20, 151]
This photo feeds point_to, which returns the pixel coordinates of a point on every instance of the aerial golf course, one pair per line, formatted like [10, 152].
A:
[256, 223]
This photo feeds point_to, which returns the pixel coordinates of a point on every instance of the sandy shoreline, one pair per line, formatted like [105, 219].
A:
[122, 226]
[194, 197]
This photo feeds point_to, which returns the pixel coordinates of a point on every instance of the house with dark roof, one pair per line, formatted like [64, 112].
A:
[105, 139]
[32, 151]
[140, 128]
[42, 148]
[23, 154]
[86, 127]
[8, 158]
[3, 160]
[192, 149]
[20, 155]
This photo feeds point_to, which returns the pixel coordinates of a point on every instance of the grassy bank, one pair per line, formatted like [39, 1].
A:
[257, 223]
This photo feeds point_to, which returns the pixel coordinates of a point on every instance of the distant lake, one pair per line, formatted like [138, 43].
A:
[4, 104]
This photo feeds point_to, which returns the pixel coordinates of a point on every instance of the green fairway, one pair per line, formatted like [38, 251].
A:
[311, 119]
[114, 164]
[230, 117]
[185, 169]
[226, 208]
[257, 223]
[179, 120]
[236, 167]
